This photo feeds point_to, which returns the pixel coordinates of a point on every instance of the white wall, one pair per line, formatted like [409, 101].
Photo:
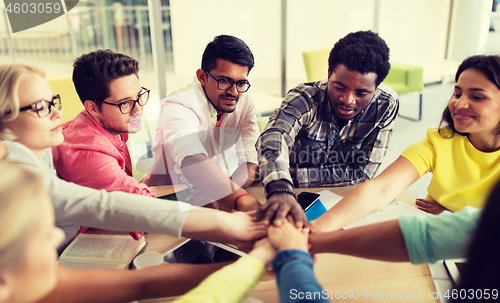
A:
[416, 31]
[469, 29]
[196, 22]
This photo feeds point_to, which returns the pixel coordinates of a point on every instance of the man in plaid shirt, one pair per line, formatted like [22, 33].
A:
[333, 132]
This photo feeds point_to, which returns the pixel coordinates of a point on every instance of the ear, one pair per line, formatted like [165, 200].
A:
[91, 107]
[202, 76]
[5, 288]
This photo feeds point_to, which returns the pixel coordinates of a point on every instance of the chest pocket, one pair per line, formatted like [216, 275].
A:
[314, 146]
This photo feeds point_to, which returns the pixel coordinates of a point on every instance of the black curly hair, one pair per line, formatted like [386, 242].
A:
[488, 66]
[94, 72]
[363, 52]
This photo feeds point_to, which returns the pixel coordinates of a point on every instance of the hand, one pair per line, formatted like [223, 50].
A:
[315, 227]
[430, 206]
[247, 203]
[264, 251]
[277, 207]
[239, 227]
[288, 237]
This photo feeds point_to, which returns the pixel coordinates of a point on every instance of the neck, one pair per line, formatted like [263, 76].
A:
[485, 143]
[38, 153]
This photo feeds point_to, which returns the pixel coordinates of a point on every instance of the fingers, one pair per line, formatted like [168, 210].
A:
[281, 213]
[299, 217]
[270, 213]
[260, 212]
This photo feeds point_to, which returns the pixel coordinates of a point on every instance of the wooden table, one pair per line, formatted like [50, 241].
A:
[345, 278]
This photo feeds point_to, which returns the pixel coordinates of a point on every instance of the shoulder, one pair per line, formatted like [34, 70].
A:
[443, 135]
[306, 95]
[386, 96]
[310, 89]
[183, 98]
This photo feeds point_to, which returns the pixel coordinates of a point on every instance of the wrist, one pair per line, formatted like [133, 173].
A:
[280, 186]
[237, 198]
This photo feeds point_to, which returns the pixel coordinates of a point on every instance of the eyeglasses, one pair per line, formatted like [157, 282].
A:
[225, 84]
[129, 105]
[43, 108]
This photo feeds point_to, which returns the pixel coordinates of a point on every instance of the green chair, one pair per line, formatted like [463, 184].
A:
[402, 78]
[405, 79]
[71, 104]
[262, 121]
[316, 64]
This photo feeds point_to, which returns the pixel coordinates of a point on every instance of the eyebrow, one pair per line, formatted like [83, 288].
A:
[363, 90]
[244, 80]
[127, 98]
[474, 89]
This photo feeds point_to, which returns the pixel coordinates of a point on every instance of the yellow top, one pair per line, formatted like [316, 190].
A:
[230, 284]
[462, 175]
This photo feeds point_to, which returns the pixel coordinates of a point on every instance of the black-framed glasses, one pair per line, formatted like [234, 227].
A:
[129, 105]
[224, 84]
[43, 108]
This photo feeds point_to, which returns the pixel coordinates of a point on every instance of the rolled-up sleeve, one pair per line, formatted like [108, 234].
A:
[430, 238]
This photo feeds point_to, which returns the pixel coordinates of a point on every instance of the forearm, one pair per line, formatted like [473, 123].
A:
[245, 174]
[106, 286]
[369, 196]
[231, 284]
[208, 178]
[382, 241]
[294, 275]
[365, 199]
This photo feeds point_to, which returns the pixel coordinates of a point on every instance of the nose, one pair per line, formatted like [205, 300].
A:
[56, 113]
[462, 102]
[232, 90]
[137, 109]
[347, 98]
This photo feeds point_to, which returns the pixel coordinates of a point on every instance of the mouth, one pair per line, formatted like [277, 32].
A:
[229, 100]
[135, 121]
[59, 127]
[462, 116]
[346, 111]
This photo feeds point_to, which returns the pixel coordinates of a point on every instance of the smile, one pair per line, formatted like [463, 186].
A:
[461, 116]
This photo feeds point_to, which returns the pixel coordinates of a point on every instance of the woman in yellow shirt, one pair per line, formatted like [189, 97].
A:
[463, 154]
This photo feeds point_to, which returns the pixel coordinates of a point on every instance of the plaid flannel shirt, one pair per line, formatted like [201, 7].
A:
[302, 142]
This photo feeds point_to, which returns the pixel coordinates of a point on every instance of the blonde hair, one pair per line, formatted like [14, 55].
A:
[11, 76]
[19, 192]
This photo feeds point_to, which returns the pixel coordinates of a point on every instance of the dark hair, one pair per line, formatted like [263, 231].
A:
[363, 52]
[488, 66]
[482, 269]
[93, 73]
[228, 48]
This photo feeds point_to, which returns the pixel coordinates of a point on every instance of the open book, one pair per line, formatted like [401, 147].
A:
[101, 251]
